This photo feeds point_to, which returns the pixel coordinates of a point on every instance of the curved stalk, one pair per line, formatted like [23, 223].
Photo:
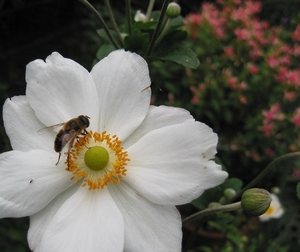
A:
[91, 7]
[158, 26]
[264, 173]
[213, 210]
[113, 21]
[128, 16]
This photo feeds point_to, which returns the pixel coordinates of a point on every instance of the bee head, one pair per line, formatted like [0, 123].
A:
[85, 120]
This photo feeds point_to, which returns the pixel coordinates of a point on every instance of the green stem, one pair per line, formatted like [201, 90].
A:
[213, 210]
[113, 21]
[158, 26]
[264, 173]
[164, 31]
[149, 10]
[91, 7]
[128, 15]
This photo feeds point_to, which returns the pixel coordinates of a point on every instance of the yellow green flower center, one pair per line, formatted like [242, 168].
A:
[97, 159]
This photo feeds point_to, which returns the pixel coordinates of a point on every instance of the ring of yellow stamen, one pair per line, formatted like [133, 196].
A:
[97, 159]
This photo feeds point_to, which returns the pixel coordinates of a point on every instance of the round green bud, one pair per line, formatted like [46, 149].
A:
[173, 10]
[229, 193]
[256, 201]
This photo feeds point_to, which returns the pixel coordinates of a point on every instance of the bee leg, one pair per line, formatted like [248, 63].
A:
[68, 160]
[58, 158]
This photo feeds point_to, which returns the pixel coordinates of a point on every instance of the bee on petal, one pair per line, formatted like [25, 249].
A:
[68, 133]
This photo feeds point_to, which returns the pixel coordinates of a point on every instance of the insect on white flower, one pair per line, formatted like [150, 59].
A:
[120, 180]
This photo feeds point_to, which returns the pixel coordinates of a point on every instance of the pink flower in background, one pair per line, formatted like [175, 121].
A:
[233, 82]
[296, 50]
[285, 60]
[192, 23]
[242, 86]
[273, 62]
[242, 34]
[293, 77]
[212, 15]
[193, 19]
[282, 74]
[296, 118]
[289, 96]
[252, 7]
[240, 14]
[274, 113]
[253, 69]
[243, 99]
[270, 152]
[267, 128]
[296, 34]
[255, 53]
[271, 116]
[229, 51]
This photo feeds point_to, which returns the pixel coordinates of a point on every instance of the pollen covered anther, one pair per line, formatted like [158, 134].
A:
[97, 159]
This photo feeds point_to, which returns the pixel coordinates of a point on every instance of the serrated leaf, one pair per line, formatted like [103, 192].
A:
[183, 56]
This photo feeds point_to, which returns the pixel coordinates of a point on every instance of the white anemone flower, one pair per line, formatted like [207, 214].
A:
[140, 16]
[116, 190]
[275, 210]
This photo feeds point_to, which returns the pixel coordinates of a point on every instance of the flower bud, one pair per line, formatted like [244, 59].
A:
[139, 16]
[256, 201]
[213, 204]
[173, 10]
[229, 193]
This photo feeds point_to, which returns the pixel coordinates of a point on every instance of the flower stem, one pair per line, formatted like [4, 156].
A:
[128, 15]
[158, 26]
[264, 173]
[163, 33]
[113, 21]
[91, 7]
[213, 210]
[149, 10]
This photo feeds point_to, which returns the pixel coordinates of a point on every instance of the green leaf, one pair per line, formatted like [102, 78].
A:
[137, 42]
[234, 183]
[103, 35]
[173, 48]
[183, 56]
[104, 50]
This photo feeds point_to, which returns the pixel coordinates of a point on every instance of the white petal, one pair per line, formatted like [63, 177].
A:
[29, 181]
[171, 166]
[148, 227]
[22, 126]
[60, 89]
[40, 220]
[87, 221]
[122, 80]
[158, 117]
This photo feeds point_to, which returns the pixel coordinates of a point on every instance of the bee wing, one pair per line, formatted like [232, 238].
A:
[49, 128]
[68, 139]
